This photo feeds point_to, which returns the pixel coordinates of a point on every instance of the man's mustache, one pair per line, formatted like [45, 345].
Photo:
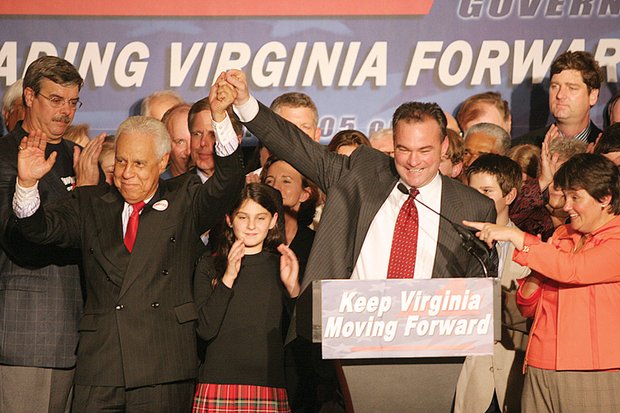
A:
[62, 118]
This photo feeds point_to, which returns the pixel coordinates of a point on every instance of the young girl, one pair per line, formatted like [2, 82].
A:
[241, 293]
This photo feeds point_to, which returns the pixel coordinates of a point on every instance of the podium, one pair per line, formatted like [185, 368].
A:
[378, 333]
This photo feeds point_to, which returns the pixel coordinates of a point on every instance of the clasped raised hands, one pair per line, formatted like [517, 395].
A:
[221, 96]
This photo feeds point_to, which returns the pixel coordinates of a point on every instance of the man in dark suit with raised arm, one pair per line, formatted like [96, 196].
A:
[140, 240]
[364, 198]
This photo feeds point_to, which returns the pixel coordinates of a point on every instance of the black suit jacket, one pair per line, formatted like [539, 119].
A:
[356, 187]
[139, 319]
[537, 136]
[40, 294]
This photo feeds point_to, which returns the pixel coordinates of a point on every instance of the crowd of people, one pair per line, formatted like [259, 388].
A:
[157, 269]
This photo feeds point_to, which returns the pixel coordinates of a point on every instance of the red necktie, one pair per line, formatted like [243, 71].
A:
[405, 241]
[132, 225]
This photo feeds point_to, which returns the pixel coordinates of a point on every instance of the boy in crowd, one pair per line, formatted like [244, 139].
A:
[496, 381]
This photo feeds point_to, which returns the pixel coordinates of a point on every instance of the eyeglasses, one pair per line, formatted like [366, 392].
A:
[57, 101]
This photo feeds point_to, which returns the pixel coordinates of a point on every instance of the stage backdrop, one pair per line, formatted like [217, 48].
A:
[358, 59]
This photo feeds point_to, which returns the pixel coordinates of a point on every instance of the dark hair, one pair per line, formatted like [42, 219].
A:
[415, 112]
[584, 63]
[347, 137]
[267, 197]
[610, 107]
[609, 140]
[305, 215]
[505, 170]
[202, 105]
[52, 68]
[595, 174]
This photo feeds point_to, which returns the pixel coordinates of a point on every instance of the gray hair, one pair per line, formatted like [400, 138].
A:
[502, 138]
[145, 107]
[375, 136]
[567, 148]
[13, 93]
[148, 126]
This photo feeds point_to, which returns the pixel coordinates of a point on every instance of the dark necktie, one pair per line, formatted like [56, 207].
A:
[132, 225]
[405, 241]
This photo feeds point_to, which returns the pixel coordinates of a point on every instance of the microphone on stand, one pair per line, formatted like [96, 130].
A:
[469, 241]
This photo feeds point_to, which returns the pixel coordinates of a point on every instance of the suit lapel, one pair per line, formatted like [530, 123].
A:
[387, 179]
[108, 219]
[149, 227]
[450, 204]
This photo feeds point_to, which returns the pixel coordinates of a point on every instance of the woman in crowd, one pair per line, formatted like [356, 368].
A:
[299, 197]
[241, 293]
[573, 293]
[346, 141]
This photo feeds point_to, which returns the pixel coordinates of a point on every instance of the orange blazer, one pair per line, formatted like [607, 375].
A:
[588, 294]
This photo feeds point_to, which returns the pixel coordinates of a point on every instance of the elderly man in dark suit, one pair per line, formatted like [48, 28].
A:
[140, 241]
[40, 295]
[364, 194]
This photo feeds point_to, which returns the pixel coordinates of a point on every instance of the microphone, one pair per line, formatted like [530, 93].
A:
[469, 241]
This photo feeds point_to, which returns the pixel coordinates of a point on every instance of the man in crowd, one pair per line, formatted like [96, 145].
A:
[175, 120]
[13, 105]
[494, 383]
[609, 143]
[299, 109]
[365, 198]
[40, 293]
[140, 241]
[383, 140]
[573, 89]
[484, 138]
[157, 103]
[202, 137]
[613, 109]
[487, 107]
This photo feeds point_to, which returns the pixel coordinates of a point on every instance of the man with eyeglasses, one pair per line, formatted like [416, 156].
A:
[40, 293]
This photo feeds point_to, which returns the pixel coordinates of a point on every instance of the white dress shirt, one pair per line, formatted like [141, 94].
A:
[374, 258]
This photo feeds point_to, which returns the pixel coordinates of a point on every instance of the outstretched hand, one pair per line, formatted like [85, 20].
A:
[86, 162]
[289, 270]
[236, 78]
[31, 162]
[490, 233]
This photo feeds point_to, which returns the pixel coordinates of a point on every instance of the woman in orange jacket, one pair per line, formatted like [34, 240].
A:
[572, 361]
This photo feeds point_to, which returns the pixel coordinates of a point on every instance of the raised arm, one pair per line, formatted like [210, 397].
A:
[286, 140]
[216, 196]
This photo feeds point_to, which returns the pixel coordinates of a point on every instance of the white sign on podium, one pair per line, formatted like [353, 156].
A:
[407, 318]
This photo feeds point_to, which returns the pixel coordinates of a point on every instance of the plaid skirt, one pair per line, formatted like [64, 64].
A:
[231, 398]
